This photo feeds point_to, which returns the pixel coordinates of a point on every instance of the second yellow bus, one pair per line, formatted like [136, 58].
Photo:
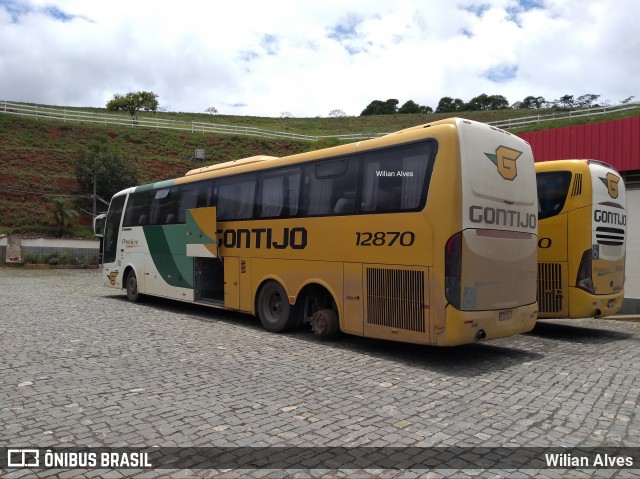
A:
[581, 245]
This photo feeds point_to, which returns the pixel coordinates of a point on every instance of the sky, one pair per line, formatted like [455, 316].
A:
[308, 58]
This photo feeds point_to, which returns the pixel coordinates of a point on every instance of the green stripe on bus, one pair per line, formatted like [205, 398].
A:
[168, 251]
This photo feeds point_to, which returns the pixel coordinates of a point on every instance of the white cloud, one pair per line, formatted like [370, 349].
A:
[263, 58]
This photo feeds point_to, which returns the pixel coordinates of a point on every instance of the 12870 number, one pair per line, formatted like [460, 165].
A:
[382, 238]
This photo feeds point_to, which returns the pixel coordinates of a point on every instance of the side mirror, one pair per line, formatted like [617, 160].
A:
[98, 225]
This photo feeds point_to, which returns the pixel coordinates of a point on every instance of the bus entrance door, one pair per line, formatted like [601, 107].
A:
[202, 245]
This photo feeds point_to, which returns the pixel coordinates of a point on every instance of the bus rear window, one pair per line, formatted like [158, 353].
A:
[553, 187]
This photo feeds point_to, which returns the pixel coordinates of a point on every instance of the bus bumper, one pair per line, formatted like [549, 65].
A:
[585, 305]
[464, 327]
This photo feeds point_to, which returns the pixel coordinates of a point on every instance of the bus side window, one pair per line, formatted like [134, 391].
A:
[553, 188]
[164, 206]
[397, 178]
[279, 194]
[206, 196]
[138, 209]
[188, 198]
[329, 188]
[235, 198]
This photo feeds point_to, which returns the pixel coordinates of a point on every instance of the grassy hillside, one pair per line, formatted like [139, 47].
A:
[37, 156]
[325, 126]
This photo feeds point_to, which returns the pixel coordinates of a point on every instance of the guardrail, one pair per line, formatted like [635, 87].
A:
[77, 116]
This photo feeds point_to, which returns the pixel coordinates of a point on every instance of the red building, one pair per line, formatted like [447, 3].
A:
[616, 142]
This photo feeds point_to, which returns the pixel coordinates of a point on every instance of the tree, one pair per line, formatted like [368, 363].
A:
[378, 107]
[449, 105]
[337, 114]
[212, 110]
[533, 102]
[565, 101]
[628, 99]
[63, 216]
[104, 169]
[498, 102]
[487, 102]
[133, 102]
[586, 101]
[412, 107]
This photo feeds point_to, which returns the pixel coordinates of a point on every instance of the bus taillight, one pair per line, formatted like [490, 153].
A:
[453, 269]
[584, 281]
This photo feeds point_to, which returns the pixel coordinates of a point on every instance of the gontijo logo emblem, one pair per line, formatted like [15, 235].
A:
[505, 159]
[112, 277]
[611, 182]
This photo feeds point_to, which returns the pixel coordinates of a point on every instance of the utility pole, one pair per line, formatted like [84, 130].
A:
[95, 181]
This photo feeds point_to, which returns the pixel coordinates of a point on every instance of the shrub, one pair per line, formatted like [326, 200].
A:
[30, 259]
[82, 262]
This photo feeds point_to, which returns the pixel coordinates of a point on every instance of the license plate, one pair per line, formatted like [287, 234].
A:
[505, 315]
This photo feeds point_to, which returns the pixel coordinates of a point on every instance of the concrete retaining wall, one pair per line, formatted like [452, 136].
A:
[41, 248]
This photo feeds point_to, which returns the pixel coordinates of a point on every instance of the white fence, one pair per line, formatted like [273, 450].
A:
[524, 121]
[77, 116]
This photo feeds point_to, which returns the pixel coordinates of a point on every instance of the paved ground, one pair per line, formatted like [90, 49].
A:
[81, 366]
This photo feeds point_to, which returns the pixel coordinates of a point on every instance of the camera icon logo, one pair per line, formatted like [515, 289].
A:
[23, 458]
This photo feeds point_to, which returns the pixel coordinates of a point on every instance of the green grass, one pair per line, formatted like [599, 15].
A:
[324, 126]
[38, 155]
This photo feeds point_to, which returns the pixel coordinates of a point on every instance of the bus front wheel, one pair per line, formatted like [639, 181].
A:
[274, 310]
[132, 287]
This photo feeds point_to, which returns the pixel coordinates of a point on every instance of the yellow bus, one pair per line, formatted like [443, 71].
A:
[427, 235]
[581, 245]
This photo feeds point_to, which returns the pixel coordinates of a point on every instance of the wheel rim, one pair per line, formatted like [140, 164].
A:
[274, 307]
[320, 325]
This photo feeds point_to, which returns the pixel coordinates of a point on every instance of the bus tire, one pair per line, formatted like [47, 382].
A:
[274, 310]
[132, 287]
[324, 323]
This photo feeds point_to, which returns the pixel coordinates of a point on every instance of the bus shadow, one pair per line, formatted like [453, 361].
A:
[463, 361]
[576, 334]
[469, 360]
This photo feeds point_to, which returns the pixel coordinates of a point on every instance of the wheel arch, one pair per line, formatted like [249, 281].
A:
[316, 286]
[125, 274]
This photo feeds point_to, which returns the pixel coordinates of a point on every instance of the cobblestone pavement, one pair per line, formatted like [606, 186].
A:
[82, 366]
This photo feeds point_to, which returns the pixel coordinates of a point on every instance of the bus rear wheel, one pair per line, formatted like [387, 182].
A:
[324, 323]
[132, 287]
[274, 310]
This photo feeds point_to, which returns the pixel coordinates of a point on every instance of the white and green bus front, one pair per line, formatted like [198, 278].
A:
[145, 242]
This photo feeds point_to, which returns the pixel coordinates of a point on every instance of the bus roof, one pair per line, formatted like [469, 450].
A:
[247, 164]
[553, 165]
[229, 164]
